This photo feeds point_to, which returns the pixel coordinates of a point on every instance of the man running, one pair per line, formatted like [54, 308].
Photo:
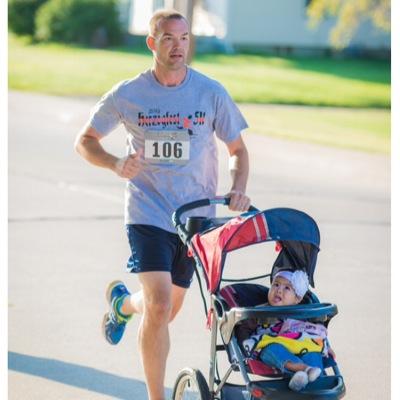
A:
[172, 114]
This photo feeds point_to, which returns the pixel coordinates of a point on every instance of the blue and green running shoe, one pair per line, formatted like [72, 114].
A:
[114, 322]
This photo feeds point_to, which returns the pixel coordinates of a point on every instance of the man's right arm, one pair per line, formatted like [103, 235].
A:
[88, 145]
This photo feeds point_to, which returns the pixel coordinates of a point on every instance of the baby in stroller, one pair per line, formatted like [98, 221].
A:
[294, 347]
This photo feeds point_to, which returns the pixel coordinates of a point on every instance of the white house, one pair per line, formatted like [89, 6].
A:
[279, 26]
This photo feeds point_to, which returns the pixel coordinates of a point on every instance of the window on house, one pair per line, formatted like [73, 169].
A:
[158, 4]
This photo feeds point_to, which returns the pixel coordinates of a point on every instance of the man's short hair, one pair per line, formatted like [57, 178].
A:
[162, 15]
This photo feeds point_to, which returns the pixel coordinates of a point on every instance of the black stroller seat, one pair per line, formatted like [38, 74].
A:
[248, 296]
[252, 295]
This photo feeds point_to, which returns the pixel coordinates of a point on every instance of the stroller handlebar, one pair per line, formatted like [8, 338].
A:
[183, 232]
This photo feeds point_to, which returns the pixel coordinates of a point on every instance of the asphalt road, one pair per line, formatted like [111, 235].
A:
[67, 241]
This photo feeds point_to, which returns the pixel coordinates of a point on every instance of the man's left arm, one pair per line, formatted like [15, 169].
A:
[239, 169]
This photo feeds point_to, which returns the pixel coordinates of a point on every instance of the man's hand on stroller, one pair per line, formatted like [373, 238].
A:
[239, 200]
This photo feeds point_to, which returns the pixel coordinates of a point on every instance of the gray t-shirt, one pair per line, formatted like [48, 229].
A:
[175, 126]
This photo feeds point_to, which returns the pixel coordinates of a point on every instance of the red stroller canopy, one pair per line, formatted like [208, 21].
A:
[296, 231]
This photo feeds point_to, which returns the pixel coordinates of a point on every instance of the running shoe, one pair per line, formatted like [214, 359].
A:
[114, 322]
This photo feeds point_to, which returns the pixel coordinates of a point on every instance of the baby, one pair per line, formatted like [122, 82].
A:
[292, 346]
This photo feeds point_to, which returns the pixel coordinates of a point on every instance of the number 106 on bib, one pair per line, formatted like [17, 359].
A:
[167, 151]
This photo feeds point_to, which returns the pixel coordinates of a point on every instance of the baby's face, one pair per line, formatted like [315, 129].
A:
[282, 293]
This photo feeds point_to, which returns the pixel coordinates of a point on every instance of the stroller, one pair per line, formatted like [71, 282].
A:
[209, 240]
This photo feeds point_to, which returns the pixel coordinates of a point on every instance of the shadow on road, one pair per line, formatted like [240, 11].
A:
[78, 376]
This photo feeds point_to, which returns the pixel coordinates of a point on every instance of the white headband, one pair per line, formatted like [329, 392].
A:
[298, 279]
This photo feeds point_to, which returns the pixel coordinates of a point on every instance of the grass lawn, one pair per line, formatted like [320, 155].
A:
[69, 70]
[357, 129]
[303, 81]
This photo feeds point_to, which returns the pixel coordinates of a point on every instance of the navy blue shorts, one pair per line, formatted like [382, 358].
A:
[154, 249]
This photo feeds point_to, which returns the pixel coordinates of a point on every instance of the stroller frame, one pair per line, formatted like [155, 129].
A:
[223, 318]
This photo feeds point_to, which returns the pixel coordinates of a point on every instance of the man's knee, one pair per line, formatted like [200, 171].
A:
[158, 310]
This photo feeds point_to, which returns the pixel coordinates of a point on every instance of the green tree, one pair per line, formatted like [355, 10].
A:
[92, 22]
[21, 15]
[350, 14]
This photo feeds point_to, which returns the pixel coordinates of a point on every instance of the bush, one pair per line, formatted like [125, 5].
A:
[21, 15]
[93, 22]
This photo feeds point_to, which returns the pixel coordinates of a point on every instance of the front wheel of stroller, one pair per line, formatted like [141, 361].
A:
[190, 385]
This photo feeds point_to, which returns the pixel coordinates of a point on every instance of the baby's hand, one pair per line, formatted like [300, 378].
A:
[249, 345]
[331, 353]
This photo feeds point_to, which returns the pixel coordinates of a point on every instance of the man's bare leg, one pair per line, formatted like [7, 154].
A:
[133, 304]
[178, 295]
[153, 334]
[158, 302]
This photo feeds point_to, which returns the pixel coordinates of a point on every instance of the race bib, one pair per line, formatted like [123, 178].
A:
[167, 147]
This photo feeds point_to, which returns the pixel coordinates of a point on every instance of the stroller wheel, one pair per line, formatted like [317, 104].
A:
[190, 385]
